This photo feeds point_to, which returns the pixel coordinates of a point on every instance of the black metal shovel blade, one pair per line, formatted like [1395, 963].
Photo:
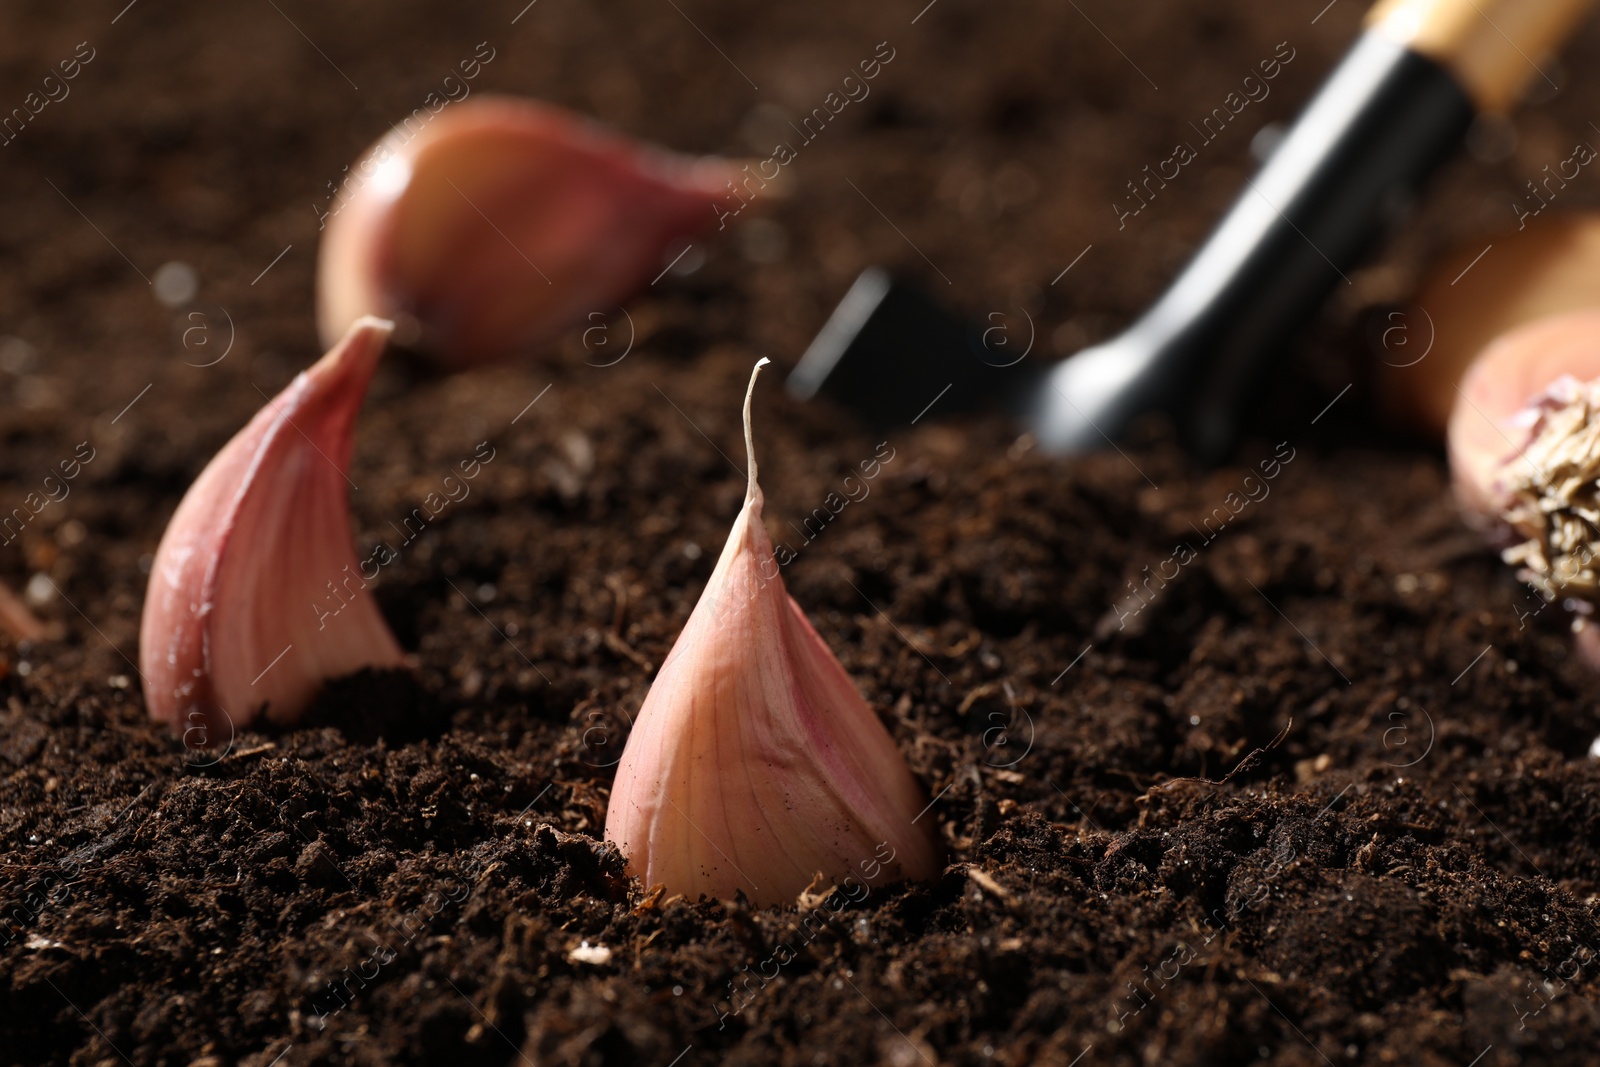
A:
[890, 353]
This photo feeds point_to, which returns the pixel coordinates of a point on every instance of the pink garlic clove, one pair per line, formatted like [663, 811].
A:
[237, 620]
[17, 620]
[502, 222]
[754, 762]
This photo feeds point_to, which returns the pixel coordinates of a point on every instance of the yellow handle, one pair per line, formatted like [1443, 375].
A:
[1495, 48]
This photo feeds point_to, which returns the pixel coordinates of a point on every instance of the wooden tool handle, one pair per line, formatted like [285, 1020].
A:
[1495, 48]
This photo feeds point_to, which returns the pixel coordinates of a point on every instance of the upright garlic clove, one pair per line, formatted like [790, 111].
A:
[256, 596]
[754, 762]
[502, 222]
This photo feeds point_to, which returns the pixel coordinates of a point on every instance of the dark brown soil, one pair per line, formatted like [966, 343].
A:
[1401, 866]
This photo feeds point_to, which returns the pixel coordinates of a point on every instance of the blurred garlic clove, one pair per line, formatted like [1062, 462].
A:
[1524, 440]
[1470, 298]
[16, 619]
[754, 762]
[501, 222]
[255, 594]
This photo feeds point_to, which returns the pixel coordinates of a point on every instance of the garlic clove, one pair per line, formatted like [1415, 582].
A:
[754, 762]
[255, 596]
[16, 619]
[1473, 296]
[502, 222]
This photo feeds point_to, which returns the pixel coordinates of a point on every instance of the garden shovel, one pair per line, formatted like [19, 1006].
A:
[1392, 111]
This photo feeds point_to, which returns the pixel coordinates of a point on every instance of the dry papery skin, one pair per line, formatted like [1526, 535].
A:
[1552, 492]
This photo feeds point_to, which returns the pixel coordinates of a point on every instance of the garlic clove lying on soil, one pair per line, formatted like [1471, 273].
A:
[501, 223]
[255, 597]
[754, 762]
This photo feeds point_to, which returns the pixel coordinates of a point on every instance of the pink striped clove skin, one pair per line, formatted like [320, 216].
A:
[755, 763]
[502, 222]
[239, 616]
